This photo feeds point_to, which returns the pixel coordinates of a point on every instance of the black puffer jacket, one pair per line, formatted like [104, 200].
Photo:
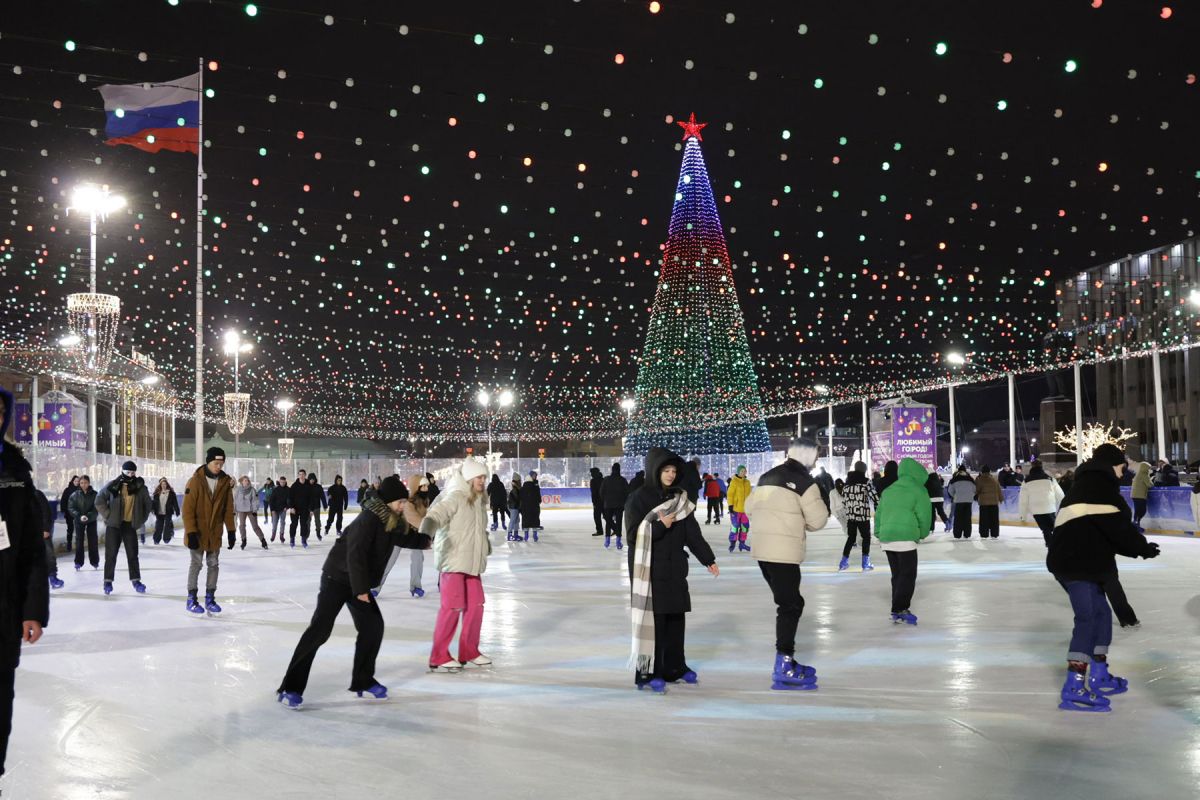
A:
[24, 591]
[531, 504]
[668, 560]
[278, 501]
[360, 555]
[497, 496]
[339, 497]
[614, 492]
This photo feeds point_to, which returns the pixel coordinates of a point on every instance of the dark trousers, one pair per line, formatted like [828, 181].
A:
[612, 521]
[714, 510]
[784, 580]
[854, 529]
[939, 510]
[164, 528]
[8, 676]
[1092, 633]
[316, 515]
[113, 539]
[904, 578]
[70, 529]
[87, 531]
[367, 621]
[302, 519]
[1139, 510]
[1111, 586]
[51, 559]
[989, 522]
[962, 520]
[1046, 523]
[499, 517]
[329, 521]
[598, 518]
[669, 662]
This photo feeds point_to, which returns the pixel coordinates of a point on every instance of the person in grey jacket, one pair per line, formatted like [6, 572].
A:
[961, 490]
[124, 505]
[245, 507]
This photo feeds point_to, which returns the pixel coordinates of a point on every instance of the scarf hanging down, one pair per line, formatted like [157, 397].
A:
[641, 602]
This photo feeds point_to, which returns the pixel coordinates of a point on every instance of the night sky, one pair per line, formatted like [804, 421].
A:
[420, 199]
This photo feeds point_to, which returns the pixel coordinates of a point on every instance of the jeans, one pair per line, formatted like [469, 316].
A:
[904, 578]
[1046, 523]
[367, 621]
[1092, 633]
[416, 566]
[514, 517]
[164, 528]
[87, 530]
[214, 569]
[962, 520]
[989, 522]
[462, 595]
[784, 580]
[279, 521]
[854, 529]
[113, 539]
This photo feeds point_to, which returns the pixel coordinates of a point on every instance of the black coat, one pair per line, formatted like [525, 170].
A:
[339, 497]
[690, 481]
[298, 496]
[278, 501]
[24, 590]
[66, 495]
[43, 509]
[1094, 526]
[594, 485]
[531, 504]
[614, 492]
[637, 481]
[316, 497]
[514, 497]
[497, 495]
[668, 560]
[360, 555]
[172, 504]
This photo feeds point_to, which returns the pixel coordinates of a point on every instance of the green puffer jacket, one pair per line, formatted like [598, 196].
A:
[904, 512]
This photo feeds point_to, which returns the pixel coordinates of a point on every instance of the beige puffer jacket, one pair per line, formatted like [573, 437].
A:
[459, 530]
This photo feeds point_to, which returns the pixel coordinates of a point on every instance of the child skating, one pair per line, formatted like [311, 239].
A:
[739, 523]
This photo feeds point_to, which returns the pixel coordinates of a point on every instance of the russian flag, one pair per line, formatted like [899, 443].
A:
[154, 116]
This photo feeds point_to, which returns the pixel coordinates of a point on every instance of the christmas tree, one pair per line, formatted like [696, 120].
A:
[697, 392]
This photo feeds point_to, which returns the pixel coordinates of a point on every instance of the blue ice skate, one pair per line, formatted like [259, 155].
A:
[378, 691]
[139, 587]
[1076, 697]
[290, 699]
[656, 685]
[193, 604]
[1102, 683]
[210, 604]
[790, 675]
[905, 617]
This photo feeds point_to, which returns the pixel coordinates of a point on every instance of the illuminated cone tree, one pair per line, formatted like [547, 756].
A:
[697, 392]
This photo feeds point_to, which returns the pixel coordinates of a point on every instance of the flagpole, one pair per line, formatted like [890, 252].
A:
[200, 267]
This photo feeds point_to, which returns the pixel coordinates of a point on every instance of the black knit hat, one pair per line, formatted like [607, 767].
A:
[129, 466]
[392, 489]
[213, 452]
[1108, 454]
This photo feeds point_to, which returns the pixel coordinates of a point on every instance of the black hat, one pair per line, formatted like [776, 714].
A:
[129, 466]
[1108, 454]
[392, 489]
[213, 452]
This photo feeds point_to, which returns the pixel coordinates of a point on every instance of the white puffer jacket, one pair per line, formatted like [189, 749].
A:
[1040, 496]
[459, 530]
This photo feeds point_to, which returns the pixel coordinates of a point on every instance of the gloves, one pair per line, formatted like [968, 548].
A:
[1151, 550]
[193, 540]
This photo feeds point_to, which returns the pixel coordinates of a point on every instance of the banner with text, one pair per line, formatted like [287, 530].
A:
[914, 435]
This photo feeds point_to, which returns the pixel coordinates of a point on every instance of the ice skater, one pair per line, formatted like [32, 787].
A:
[207, 510]
[739, 523]
[614, 493]
[83, 509]
[901, 521]
[316, 502]
[1091, 529]
[659, 523]
[785, 506]
[245, 507]
[414, 511]
[339, 501]
[64, 506]
[531, 506]
[860, 500]
[937, 500]
[166, 507]
[47, 519]
[355, 563]
[279, 507]
[299, 506]
[1040, 497]
[498, 499]
[458, 524]
[595, 485]
[514, 509]
[124, 504]
[962, 495]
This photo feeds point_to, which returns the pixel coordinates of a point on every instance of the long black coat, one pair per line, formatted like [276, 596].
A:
[24, 591]
[668, 560]
[531, 504]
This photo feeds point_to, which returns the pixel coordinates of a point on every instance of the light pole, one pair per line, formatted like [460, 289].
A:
[237, 403]
[95, 201]
[503, 400]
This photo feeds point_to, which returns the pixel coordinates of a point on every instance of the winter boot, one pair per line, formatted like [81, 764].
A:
[844, 564]
[904, 617]
[55, 583]
[139, 587]
[867, 566]
[210, 604]
[193, 605]
[290, 699]
[378, 691]
[1102, 683]
[619, 545]
[790, 675]
[1076, 697]
[108, 587]
[607, 541]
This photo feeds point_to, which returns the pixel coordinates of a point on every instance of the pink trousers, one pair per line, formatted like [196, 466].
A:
[461, 594]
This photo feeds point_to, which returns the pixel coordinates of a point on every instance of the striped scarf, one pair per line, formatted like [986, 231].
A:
[641, 603]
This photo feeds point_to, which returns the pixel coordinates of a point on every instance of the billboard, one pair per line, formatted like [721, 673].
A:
[914, 434]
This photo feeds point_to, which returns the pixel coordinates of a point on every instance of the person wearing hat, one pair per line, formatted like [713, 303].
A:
[355, 564]
[124, 505]
[514, 508]
[458, 524]
[418, 503]
[207, 511]
[1093, 526]
[531, 506]
[739, 523]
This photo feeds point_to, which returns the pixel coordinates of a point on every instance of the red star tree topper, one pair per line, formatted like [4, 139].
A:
[692, 128]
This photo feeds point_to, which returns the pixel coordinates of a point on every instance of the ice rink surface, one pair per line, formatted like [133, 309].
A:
[128, 697]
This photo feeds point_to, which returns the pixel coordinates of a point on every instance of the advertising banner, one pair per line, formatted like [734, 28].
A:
[22, 423]
[914, 435]
[54, 425]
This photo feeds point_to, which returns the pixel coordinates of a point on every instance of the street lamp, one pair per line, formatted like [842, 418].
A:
[237, 402]
[628, 404]
[503, 399]
[956, 358]
[285, 444]
[95, 201]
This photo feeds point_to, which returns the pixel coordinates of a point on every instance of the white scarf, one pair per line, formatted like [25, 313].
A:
[641, 603]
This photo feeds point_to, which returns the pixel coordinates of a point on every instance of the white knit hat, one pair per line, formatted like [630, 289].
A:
[473, 468]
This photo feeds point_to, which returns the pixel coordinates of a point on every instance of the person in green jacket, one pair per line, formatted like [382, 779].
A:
[1139, 492]
[902, 520]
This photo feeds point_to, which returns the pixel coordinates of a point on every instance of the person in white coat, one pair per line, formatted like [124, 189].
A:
[1040, 498]
[457, 520]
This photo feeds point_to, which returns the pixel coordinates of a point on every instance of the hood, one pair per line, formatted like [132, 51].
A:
[616, 469]
[656, 459]
[1094, 483]
[596, 473]
[495, 481]
[890, 469]
[911, 470]
[1036, 474]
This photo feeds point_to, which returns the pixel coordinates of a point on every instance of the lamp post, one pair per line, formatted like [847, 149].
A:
[503, 399]
[237, 402]
[957, 360]
[93, 317]
[285, 444]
